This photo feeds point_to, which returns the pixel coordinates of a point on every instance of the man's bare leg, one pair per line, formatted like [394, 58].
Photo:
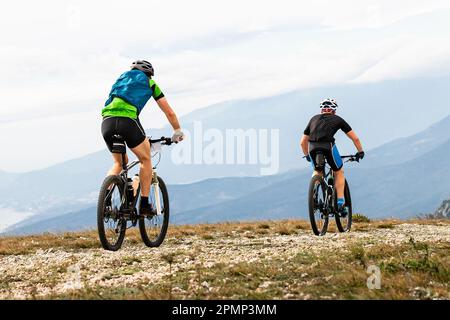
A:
[117, 166]
[339, 183]
[142, 152]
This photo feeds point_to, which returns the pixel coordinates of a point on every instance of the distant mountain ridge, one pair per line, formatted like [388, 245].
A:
[443, 212]
[404, 149]
[378, 112]
[183, 197]
[379, 192]
[382, 192]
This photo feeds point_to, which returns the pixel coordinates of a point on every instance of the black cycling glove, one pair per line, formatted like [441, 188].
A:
[360, 155]
[308, 158]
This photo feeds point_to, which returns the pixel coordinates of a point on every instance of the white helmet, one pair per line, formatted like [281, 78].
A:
[329, 104]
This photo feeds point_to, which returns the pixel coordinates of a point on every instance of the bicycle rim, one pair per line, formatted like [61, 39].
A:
[317, 215]
[344, 224]
[110, 222]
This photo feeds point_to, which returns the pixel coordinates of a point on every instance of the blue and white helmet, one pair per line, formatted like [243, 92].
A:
[329, 104]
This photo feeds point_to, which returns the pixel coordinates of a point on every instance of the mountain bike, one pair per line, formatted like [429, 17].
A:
[322, 199]
[119, 200]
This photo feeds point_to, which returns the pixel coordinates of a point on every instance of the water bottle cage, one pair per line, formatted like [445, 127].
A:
[154, 178]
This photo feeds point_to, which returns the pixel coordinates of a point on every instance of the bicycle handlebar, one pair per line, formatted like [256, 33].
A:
[164, 140]
[351, 158]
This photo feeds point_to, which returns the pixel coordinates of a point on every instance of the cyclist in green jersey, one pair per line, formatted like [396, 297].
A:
[127, 98]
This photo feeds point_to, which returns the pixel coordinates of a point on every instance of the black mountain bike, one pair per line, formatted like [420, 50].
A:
[117, 208]
[322, 199]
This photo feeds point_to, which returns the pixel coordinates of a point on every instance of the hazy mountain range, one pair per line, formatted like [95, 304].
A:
[413, 184]
[378, 112]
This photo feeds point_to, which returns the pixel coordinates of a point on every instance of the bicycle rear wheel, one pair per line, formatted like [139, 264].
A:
[153, 228]
[110, 222]
[344, 224]
[316, 204]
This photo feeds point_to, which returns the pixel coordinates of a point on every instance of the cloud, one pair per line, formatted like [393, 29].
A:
[58, 65]
[377, 14]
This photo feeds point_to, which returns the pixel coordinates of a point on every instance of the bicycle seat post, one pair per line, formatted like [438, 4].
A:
[119, 146]
[124, 165]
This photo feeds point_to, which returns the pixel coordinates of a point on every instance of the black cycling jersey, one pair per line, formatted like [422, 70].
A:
[323, 127]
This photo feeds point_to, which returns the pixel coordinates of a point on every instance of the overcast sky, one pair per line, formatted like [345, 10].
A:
[58, 59]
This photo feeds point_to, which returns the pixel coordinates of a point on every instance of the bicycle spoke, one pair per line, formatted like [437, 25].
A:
[112, 222]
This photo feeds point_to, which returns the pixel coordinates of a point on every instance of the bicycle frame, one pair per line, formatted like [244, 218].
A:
[330, 193]
[124, 175]
[126, 206]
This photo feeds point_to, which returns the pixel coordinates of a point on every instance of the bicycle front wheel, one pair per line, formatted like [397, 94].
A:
[316, 204]
[110, 222]
[153, 228]
[344, 224]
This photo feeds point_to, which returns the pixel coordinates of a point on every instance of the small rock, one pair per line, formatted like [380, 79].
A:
[265, 284]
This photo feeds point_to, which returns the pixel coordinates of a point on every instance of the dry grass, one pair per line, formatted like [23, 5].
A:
[89, 239]
[358, 217]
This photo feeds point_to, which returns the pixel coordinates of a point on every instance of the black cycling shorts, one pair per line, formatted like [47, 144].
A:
[130, 129]
[330, 153]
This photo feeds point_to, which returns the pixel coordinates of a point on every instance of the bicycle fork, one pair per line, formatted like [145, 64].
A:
[327, 205]
[155, 184]
[330, 200]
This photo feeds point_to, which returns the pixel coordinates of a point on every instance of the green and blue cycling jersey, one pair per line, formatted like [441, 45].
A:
[130, 94]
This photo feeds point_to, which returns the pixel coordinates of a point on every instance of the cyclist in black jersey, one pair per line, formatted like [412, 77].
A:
[319, 136]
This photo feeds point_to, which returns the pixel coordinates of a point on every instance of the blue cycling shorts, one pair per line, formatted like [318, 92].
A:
[330, 152]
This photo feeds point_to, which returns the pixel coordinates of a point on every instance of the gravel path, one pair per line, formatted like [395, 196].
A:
[56, 271]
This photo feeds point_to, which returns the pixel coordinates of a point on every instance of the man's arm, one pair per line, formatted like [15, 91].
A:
[170, 114]
[352, 135]
[304, 144]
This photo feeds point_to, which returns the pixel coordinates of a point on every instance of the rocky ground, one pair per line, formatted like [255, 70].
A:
[261, 260]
